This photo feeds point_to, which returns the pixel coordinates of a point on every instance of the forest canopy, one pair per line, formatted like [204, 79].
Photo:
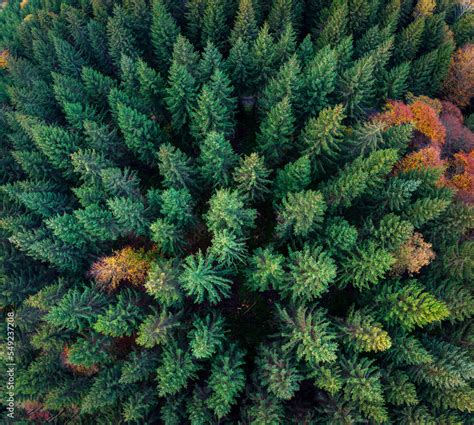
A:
[237, 211]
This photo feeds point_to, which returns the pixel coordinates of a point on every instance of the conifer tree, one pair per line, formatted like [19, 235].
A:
[274, 138]
[263, 56]
[202, 280]
[245, 25]
[300, 213]
[307, 333]
[214, 25]
[141, 135]
[164, 32]
[217, 159]
[215, 107]
[226, 380]
[294, 177]
[311, 271]
[207, 336]
[251, 176]
[335, 26]
[319, 79]
[180, 96]
[175, 370]
[322, 136]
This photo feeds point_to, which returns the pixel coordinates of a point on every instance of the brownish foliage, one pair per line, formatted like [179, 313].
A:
[35, 411]
[124, 266]
[413, 255]
[4, 56]
[459, 84]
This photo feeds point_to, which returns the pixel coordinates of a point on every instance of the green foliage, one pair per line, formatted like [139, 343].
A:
[366, 266]
[251, 176]
[300, 213]
[227, 212]
[157, 329]
[164, 32]
[226, 380]
[274, 138]
[234, 174]
[202, 280]
[294, 177]
[215, 107]
[227, 248]
[265, 270]
[175, 370]
[308, 333]
[78, 309]
[410, 306]
[162, 284]
[322, 136]
[141, 135]
[217, 159]
[311, 271]
[120, 319]
[277, 371]
[207, 336]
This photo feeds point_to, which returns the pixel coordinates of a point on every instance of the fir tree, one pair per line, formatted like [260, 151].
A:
[141, 134]
[202, 280]
[322, 136]
[175, 370]
[278, 372]
[319, 78]
[251, 176]
[157, 329]
[367, 266]
[274, 138]
[180, 96]
[300, 213]
[164, 32]
[226, 380]
[217, 159]
[214, 25]
[307, 332]
[207, 336]
[215, 107]
[245, 25]
[266, 270]
[227, 212]
[175, 168]
[162, 283]
[311, 271]
[294, 177]
[410, 306]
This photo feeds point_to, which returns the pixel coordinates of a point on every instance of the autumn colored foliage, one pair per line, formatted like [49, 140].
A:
[428, 157]
[459, 84]
[126, 265]
[4, 55]
[413, 255]
[421, 113]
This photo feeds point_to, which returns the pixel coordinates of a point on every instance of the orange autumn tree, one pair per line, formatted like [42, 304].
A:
[124, 266]
[463, 179]
[429, 157]
[4, 55]
[422, 113]
[413, 255]
[459, 84]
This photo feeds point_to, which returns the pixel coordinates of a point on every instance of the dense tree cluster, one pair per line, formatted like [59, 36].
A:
[238, 211]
